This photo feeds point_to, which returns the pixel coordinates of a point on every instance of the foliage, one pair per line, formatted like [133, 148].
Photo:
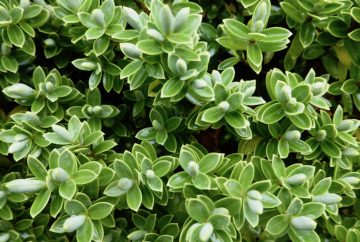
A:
[151, 120]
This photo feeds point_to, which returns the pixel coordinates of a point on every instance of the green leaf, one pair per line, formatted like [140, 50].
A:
[272, 114]
[94, 33]
[84, 176]
[101, 45]
[313, 210]
[278, 224]
[302, 121]
[37, 168]
[330, 148]
[85, 232]
[197, 210]
[16, 35]
[254, 55]
[172, 87]
[213, 115]
[150, 47]
[210, 162]
[40, 203]
[178, 180]
[67, 189]
[236, 119]
[247, 175]
[307, 34]
[99, 210]
[134, 198]
[201, 181]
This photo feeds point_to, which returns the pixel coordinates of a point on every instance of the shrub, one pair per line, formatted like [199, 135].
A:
[179, 121]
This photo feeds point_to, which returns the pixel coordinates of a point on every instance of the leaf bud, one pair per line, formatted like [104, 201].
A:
[345, 125]
[130, 50]
[98, 16]
[17, 146]
[88, 65]
[297, 179]
[157, 125]
[291, 103]
[303, 223]
[292, 135]
[19, 90]
[224, 105]
[49, 42]
[206, 231]
[137, 235]
[132, 18]
[199, 84]
[156, 35]
[25, 185]
[328, 198]
[181, 18]
[125, 184]
[5, 49]
[253, 194]
[96, 110]
[73, 223]
[320, 135]
[318, 88]
[59, 174]
[20, 137]
[350, 152]
[351, 180]
[167, 19]
[193, 169]
[4, 237]
[150, 174]
[255, 206]
[62, 132]
[258, 26]
[285, 94]
[49, 86]
[181, 66]
[2, 195]
[221, 210]
[24, 4]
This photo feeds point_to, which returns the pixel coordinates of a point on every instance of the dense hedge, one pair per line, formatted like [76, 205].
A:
[196, 121]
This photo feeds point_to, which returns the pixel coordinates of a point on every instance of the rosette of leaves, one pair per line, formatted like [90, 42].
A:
[281, 138]
[138, 177]
[197, 169]
[333, 137]
[25, 135]
[255, 196]
[350, 181]
[49, 91]
[84, 218]
[18, 21]
[254, 38]
[298, 221]
[309, 19]
[293, 97]
[296, 178]
[165, 128]
[93, 111]
[168, 40]
[210, 220]
[25, 229]
[230, 104]
[349, 91]
[80, 138]
[322, 193]
[61, 180]
[8, 199]
[149, 227]
[102, 69]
